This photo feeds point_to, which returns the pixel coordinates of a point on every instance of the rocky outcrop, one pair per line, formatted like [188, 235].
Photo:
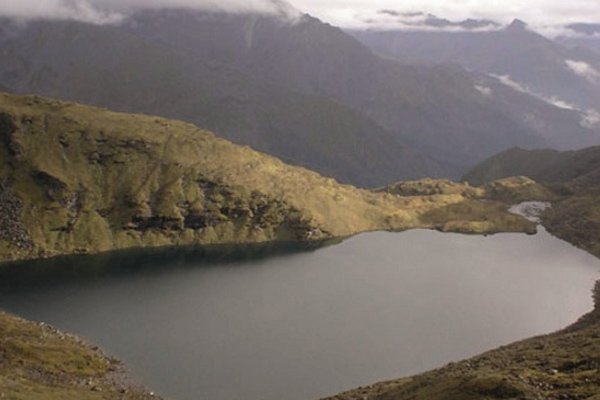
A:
[12, 230]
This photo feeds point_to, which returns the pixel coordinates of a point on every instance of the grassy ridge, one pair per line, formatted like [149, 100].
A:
[78, 179]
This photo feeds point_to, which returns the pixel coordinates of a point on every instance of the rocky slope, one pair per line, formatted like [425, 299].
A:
[76, 179]
[42, 363]
[541, 65]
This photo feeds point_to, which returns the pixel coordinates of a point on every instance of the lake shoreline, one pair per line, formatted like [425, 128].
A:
[142, 250]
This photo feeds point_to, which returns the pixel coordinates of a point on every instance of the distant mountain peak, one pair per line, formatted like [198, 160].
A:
[585, 28]
[517, 25]
[417, 20]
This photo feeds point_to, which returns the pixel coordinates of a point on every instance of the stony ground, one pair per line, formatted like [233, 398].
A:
[38, 362]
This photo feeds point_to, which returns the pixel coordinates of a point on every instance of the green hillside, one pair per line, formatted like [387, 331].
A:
[76, 179]
[582, 166]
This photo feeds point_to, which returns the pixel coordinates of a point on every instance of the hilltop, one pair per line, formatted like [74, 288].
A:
[78, 179]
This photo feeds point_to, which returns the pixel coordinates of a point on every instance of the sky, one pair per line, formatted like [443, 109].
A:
[535, 12]
[541, 14]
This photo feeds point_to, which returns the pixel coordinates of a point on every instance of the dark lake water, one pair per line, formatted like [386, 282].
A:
[270, 323]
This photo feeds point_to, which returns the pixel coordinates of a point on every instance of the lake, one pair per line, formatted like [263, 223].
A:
[287, 322]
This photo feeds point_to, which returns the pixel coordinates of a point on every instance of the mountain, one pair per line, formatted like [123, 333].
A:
[540, 65]
[128, 73]
[580, 167]
[301, 90]
[583, 35]
[76, 179]
[435, 110]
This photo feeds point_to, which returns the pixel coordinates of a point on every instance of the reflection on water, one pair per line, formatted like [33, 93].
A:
[290, 322]
[81, 268]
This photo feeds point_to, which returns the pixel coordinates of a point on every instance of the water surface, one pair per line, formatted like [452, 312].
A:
[293, 323]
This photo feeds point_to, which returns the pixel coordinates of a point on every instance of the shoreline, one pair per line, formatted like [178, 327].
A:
[128, 377]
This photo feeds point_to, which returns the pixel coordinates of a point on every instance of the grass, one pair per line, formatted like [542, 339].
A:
[91, 180]
[576, 219]
[38, 362]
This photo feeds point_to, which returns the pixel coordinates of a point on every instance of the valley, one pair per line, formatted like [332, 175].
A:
[260, 201]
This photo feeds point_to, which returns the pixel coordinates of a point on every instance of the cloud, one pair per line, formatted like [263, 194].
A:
[547, 16]
[419, 21]
[588, 118]
[260, 6]
[115, 11]
[80, 10]
[542, 15]
[553, 100]
[484, 90]
[584, 70]
[591, 119]
[508, 81]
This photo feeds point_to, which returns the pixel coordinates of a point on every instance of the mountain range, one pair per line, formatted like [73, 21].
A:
[302, 90]
[563, 75]
[582, 35]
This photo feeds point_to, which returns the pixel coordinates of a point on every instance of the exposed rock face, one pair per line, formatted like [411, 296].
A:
[11, 228]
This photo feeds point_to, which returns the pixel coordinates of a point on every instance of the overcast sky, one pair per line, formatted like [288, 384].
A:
[346, 13]
[536, 12]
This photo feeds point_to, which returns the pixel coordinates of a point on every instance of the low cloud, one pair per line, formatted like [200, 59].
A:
[484, 90]
[508, 81]
[584, 70]
[553, 100]
[589, 118]
[419, 21]
[80, 10]
[115, 11]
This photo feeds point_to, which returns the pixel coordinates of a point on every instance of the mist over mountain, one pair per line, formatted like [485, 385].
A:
[544, 67]
[582, 35]
[298, 88]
